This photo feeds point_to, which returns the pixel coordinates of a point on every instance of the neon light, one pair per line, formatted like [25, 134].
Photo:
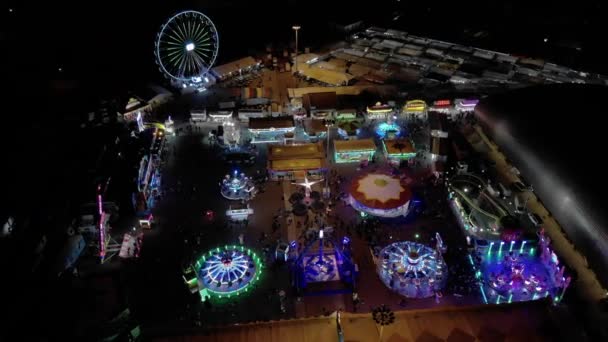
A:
[498, 300]
[216, 270]
[102, 230]
[483, 293]
[439, 103]
[510, 298]
[490, 249]
[471, 260]
[511, 247]
[521, 249]
[500, 249]
[531, 250]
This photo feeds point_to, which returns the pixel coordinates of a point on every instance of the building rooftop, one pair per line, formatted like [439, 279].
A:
[314, 127]
[399, 146]
[326, 76]
[322, 100]
[301, 151]
[296, 164]
[271, 122]
[354, 145]
[234, 66]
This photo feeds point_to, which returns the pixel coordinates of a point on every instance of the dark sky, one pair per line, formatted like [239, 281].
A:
[112, 41]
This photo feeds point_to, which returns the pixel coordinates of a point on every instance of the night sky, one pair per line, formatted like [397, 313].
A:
[111, 42]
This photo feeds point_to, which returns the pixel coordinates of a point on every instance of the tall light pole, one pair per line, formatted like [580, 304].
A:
[296, 28]
[327, 157]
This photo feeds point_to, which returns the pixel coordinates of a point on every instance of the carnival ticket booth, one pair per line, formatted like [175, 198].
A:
[349, 151]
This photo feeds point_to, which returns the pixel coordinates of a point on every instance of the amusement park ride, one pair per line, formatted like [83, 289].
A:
[186, 48]
[413, 269]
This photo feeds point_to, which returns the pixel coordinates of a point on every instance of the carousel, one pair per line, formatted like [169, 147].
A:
[380, 194]
[412, 269]
[237, 187]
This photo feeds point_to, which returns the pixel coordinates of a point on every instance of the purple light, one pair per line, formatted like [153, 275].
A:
[469, 102]
[102, 231]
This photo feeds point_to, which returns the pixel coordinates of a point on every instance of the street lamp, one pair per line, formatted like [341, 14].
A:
[296, 28]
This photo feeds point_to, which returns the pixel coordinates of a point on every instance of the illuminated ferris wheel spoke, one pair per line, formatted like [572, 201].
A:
[188, 30]
[179, 34]
[176, 39]
[199, 34]
[186, 47]
[203, 38]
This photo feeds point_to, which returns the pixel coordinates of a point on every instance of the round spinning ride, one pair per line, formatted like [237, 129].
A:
[229, 270]
[380, 194]
[412, 269]
[186, 48]
[237, 187]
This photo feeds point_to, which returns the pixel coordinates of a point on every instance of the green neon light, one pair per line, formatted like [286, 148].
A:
[237, 292]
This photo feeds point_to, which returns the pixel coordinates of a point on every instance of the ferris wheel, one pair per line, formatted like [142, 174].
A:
[186, 47]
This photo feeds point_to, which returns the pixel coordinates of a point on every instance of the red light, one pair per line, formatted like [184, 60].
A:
[442, 103]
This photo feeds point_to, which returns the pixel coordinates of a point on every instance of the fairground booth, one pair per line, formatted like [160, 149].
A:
[349, 151]
[397, 150]
[296, 161]
[441, 106]
[465, 105]
[378, 111]
[346, 114]
[314, 129]
[321, 106]
[271, 129]
[348, 123]
[349, 129]
[414, 109]
[220, 116]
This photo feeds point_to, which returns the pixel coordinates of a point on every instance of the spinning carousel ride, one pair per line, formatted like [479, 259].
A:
[237, 187]
[412, 269]
[228, 270]
[380, 194]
